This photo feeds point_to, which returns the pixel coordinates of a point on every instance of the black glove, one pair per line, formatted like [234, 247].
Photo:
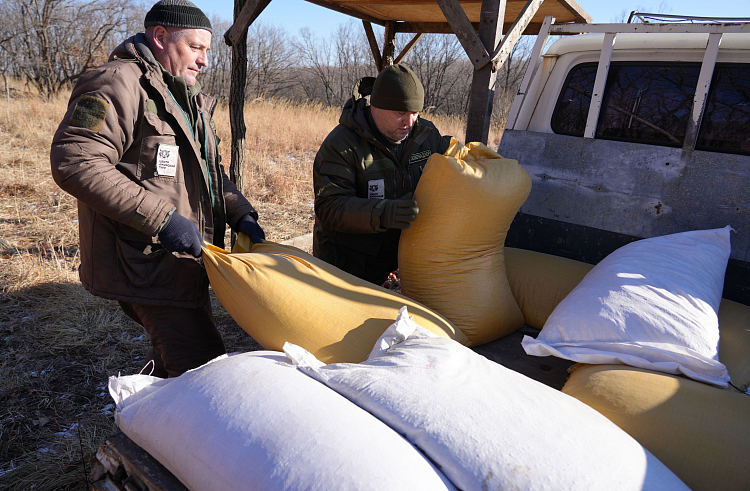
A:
[399, 213]
[181, 235]
[248, 226]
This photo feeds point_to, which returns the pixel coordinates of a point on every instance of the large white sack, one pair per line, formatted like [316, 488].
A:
[485, 426]
[650, 304]
[253, 422]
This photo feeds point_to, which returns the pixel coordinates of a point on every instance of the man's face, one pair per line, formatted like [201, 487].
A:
[396, 125]
[182, 52]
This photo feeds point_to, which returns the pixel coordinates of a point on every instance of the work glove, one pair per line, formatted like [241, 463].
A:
[399, 213]
[249, 226]
[181, 235]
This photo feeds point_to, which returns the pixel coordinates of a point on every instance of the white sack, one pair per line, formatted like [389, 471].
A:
[650, 304]
[253, 422]
[485, 426]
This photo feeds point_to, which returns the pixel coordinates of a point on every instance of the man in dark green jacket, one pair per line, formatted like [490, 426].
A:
[366, 171]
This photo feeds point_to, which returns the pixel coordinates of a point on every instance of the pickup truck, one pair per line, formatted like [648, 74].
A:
[628, 131]
[635, 134]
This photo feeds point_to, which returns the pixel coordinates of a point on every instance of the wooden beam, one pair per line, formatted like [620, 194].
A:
[250, 11]
[482, 96]
[444, 28]
[407, 48]
[575, 9]
[350, 12]
[373, 44]
[464, 31]
[389, 44]
[500, 55]
[429, 27]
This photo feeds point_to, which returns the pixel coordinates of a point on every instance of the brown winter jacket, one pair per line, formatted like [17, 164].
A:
[105, 154]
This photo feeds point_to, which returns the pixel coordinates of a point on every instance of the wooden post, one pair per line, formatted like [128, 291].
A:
[237, 104]
[482, 93]
[373, 45]
[408, 48]
[389, 44]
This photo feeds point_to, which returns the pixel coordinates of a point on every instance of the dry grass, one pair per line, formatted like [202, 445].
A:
[60, 343]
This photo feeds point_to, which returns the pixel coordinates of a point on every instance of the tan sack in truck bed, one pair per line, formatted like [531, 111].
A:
[451, 259]
[279, 293]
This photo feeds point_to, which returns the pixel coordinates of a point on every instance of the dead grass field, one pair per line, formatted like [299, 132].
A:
[59, 343]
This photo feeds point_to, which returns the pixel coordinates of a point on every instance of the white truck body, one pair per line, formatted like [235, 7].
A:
[605, 176]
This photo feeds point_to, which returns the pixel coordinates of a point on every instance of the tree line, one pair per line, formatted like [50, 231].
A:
[48, 44]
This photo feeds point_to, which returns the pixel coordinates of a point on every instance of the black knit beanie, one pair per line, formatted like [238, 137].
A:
[397, 88]
[177, 13]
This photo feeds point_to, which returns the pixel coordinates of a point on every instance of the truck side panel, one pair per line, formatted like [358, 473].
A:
[610, 193]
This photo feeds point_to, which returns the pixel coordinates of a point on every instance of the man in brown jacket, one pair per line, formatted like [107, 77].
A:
[137, 148]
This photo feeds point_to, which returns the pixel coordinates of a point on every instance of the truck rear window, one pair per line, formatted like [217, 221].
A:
[726, 121]
[651, 103]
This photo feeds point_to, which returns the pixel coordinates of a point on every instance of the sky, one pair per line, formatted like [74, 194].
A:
[293, 15]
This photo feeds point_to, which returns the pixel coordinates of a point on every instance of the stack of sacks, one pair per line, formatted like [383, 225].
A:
[253, 422]
[485, 426]
[451, 259]
[652, 304]
[279, 293]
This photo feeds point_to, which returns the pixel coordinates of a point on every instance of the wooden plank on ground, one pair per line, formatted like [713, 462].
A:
[140, 463]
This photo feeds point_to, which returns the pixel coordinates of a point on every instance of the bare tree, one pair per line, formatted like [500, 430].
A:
[55, 41]
[510, 75]
[432, 59]
[216, 78]
[270, 61]
[332, 66]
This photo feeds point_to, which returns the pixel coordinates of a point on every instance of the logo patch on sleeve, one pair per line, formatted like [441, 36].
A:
[89, 113]
[423, 155]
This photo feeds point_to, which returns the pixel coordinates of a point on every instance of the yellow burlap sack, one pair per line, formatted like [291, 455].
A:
[701, 432]
[451, 258]
[540, 281]
[279, 293]
[734, 343]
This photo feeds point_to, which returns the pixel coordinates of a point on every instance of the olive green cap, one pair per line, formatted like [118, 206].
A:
[397, 88]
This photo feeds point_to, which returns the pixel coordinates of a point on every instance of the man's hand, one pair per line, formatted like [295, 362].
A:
[181, 235]
[399, 213]
[248, 226]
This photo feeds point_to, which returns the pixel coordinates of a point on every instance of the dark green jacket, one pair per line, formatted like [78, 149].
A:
[353, 172]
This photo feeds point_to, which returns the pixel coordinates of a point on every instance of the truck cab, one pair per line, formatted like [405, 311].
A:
[629, 135]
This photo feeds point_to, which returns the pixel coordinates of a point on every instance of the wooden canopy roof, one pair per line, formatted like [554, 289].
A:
[426, 16]
[487, 29]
